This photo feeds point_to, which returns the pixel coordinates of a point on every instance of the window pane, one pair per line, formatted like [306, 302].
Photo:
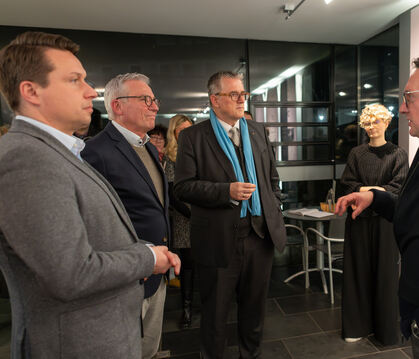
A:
[297, 134]
[302, 153]
[283, 71]
[292, 114]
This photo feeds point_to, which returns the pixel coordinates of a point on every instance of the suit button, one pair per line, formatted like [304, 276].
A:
[164, 239]
[236, 227]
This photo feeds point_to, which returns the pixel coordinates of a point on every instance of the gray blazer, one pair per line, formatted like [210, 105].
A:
[69, 252]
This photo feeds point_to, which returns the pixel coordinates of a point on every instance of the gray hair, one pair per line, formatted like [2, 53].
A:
[115, 88]
[214, 82]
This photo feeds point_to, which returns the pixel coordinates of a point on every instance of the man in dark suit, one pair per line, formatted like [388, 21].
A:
[123, 154]
[226, 171]
[73, 262]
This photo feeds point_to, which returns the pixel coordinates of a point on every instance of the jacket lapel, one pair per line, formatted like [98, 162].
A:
[83, 166]
[219, 154]
[129, 153]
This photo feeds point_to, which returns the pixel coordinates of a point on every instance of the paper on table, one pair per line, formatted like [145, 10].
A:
[310, 212]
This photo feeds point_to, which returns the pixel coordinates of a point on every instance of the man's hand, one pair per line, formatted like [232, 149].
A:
[241, 191]
[357, 200]
[164, 260]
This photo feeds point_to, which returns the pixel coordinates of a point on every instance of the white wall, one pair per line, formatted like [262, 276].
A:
[409, 49]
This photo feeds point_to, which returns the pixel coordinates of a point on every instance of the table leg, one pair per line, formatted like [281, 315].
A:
[320, 256]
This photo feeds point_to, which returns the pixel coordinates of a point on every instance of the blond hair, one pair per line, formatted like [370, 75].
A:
[171, 147]
[375, 111]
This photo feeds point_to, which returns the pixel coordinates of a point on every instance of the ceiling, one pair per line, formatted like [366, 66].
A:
[342, 21]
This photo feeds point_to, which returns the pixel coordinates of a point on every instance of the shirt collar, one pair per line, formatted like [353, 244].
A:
[132, 138]
[227, 127]
[73, 144]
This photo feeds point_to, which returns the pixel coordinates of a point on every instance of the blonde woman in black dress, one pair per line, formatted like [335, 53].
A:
[371, 270]
[180, 219]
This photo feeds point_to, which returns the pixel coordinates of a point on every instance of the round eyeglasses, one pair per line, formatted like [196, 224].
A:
[147, 99]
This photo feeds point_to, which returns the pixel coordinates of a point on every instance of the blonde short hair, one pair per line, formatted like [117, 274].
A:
[375, 111]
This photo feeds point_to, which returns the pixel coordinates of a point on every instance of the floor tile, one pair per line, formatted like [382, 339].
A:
[306, 303]
[181, 342]
[326, 346]
[382, 347]
[391, 354]
[408, 352]
[285, 326]
[328, 319]
[270, 350]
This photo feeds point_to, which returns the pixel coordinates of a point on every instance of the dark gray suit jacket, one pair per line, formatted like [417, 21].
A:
[70, 253]
[203, 176]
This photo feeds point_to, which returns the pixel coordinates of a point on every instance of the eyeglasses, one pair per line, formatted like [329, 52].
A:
[365, 124]
[147, 99]
[157, 138]
[406, 98]
[235, 95]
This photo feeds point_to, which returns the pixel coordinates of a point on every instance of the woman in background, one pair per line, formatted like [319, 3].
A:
[371, 270]
[158, 139]
[180, 215]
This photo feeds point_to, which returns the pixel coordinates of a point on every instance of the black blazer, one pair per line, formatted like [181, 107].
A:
[203, 176]
[111, 154]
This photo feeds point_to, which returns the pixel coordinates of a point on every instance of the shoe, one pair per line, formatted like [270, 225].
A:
[352, 340]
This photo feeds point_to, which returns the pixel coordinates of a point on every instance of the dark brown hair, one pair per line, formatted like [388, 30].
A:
[24, 60]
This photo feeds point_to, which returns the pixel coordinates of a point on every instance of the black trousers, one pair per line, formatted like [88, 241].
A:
[370, 280]
[246, 278]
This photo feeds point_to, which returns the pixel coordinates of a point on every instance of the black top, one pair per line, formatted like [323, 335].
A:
[385, 166]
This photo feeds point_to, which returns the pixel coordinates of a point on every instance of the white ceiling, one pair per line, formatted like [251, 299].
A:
[342, 21]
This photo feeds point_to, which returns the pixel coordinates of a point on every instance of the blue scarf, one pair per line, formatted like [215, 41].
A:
[228, 148]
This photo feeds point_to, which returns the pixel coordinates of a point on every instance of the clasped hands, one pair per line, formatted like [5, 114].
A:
[165, 260]
[241, 191]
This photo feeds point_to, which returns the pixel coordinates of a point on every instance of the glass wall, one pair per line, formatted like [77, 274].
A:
[308, 96]
[379, 76]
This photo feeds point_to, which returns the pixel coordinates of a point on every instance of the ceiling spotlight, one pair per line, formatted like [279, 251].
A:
[341, 93]
[328, 1]
[367, 86]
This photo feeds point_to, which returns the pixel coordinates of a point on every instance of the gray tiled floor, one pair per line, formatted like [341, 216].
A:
[300, 324]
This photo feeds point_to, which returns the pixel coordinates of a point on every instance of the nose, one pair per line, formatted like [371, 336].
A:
[90, 92]
[403, 107]
[154, 106]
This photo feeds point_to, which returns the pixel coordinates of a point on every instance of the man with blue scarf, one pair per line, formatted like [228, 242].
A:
[225, 169]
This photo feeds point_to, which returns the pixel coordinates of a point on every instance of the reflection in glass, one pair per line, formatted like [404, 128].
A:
[302, 153]
[289, 72]
[297, 134]
[292, 114]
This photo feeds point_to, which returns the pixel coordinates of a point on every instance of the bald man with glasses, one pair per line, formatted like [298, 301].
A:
[403, 211]
[226, 171]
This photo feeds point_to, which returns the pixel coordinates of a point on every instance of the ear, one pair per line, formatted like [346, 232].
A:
[116, 107]
[30, 92]
[214, 101]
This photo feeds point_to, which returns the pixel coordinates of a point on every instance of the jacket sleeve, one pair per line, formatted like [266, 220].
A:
[188, 186]
[384, 203]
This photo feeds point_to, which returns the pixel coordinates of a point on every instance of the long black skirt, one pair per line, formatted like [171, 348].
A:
[370, 280]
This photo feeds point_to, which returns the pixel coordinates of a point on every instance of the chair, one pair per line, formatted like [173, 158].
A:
[293, 240]
[324, 244]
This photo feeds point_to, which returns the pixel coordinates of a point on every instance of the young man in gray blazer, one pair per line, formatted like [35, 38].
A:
[225, 169]
[71, 257]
